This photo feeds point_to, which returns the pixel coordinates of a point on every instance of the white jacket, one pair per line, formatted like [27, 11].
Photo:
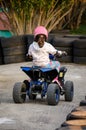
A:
[41, 55]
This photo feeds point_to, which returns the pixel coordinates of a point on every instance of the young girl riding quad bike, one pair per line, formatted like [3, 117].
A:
[39, 50]
[47, 77]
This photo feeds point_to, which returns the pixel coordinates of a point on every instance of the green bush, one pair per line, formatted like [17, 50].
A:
[80, 30]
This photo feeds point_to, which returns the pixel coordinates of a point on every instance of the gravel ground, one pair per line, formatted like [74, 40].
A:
[36, 115]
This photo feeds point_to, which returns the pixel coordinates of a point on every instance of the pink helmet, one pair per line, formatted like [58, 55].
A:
[40, 30]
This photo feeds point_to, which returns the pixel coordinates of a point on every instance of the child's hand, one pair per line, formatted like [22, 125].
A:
[60, 54]
[29, 57]
[64, 53]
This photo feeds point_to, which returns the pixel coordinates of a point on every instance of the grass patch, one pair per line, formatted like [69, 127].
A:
[80, 30]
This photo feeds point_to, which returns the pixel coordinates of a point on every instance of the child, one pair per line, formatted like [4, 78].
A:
[39, 50]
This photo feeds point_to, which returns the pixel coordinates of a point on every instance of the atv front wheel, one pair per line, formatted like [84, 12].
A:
[69, 91]
[19, 92]
[53, 94]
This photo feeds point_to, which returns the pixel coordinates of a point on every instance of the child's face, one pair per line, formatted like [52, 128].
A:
[41, 40]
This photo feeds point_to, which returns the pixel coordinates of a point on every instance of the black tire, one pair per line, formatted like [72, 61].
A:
[19, 92]
[16, 50]
[53, 94]
[79, 60]
[66, 59]
[83, 103]
[83, 37]
[1, 61]
[67, 49]
[69, 91]
[76, 36]
[14, 59]
[63, 42]
[12, 41]
[71, 128]
[69, 117]
[31, 95]
[79, 52]
[80, 108]
[80, 43]
[50, 38]
[78, 122]
[1, 54]
[28, 39]
[76, 115]
[73, 36]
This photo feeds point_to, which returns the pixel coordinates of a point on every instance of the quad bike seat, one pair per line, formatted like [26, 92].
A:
[63, 69]
[62, 72]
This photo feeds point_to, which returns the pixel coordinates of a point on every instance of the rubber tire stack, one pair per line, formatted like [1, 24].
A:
[76, 119]
[64, 44]
[74, 36]
[83, 102]
[28, 39]
[79, 51]
[1, 53]
[13, 49]
[71, 128]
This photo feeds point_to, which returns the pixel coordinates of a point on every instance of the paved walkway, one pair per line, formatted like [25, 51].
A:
[36, 115]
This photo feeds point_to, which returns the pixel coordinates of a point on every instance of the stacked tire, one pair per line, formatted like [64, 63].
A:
[13, 49]
[83, 102]
[76, 119]
[64, 44]
[51, 36]
[1, 53]
[28, 39]
[71, 128]
[79, 51]
[75, 36]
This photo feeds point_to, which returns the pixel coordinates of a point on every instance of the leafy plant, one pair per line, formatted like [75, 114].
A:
[25, 15]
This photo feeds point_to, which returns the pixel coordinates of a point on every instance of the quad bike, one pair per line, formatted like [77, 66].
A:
[46, 82]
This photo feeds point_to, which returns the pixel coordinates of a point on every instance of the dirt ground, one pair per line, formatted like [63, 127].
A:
[36, 115]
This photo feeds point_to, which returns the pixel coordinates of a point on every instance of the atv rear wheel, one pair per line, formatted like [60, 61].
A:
[53, 94]
[69, 91]
[19, 92]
